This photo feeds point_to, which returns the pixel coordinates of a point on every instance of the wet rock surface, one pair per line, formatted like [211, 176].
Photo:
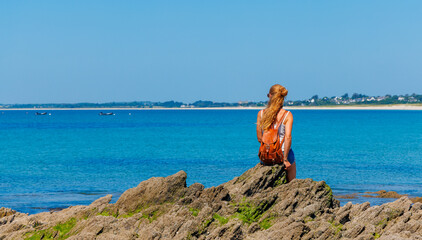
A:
[256, 205]
[384, 194]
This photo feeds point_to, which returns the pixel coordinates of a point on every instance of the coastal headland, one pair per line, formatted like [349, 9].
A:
[259, 204]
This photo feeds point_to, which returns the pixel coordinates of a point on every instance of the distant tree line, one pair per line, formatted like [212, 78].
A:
[354, 99]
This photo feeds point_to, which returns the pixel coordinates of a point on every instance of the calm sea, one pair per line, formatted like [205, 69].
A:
[74, 157]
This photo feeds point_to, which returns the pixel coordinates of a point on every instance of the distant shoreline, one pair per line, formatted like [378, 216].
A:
[355, 107]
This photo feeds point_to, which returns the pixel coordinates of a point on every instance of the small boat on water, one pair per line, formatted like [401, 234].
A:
[106, 114]
[41, 113]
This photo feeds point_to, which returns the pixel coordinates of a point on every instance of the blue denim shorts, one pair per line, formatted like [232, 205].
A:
[291, 157]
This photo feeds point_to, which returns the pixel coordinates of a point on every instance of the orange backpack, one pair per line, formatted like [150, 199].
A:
[270, 151]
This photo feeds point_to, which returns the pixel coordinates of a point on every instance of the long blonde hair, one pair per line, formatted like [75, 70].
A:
[275, 103]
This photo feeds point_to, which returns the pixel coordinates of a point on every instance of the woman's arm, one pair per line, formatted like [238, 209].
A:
[288, 139]
[258, 128]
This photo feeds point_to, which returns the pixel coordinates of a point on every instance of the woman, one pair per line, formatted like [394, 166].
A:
[273, 113]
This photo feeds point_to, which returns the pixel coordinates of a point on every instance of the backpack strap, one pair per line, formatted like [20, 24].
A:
[285, 116]
[278, 124]
[262, 114]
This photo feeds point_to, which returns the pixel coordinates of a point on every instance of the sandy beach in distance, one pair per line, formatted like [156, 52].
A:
[386, 107]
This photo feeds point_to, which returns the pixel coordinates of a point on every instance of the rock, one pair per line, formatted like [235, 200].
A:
[101, 201]
[416, 199]
[256, 205]
[384, 194]
[255, 180]
[155, 190]
[347, 196]
[4, 212]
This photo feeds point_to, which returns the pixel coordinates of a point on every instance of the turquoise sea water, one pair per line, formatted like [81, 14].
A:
[74, 157]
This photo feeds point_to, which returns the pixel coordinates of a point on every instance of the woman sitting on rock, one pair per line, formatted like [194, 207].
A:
[270, 117]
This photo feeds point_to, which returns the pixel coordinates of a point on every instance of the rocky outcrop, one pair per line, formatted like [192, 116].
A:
[256, 205]
[4, 212]
[157, 190]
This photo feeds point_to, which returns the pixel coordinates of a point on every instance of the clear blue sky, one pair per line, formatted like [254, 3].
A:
[101, 51]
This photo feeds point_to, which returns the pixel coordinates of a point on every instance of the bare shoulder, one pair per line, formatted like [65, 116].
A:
[289, 117]
[258, 119]
[260, 113]
[290, 114]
